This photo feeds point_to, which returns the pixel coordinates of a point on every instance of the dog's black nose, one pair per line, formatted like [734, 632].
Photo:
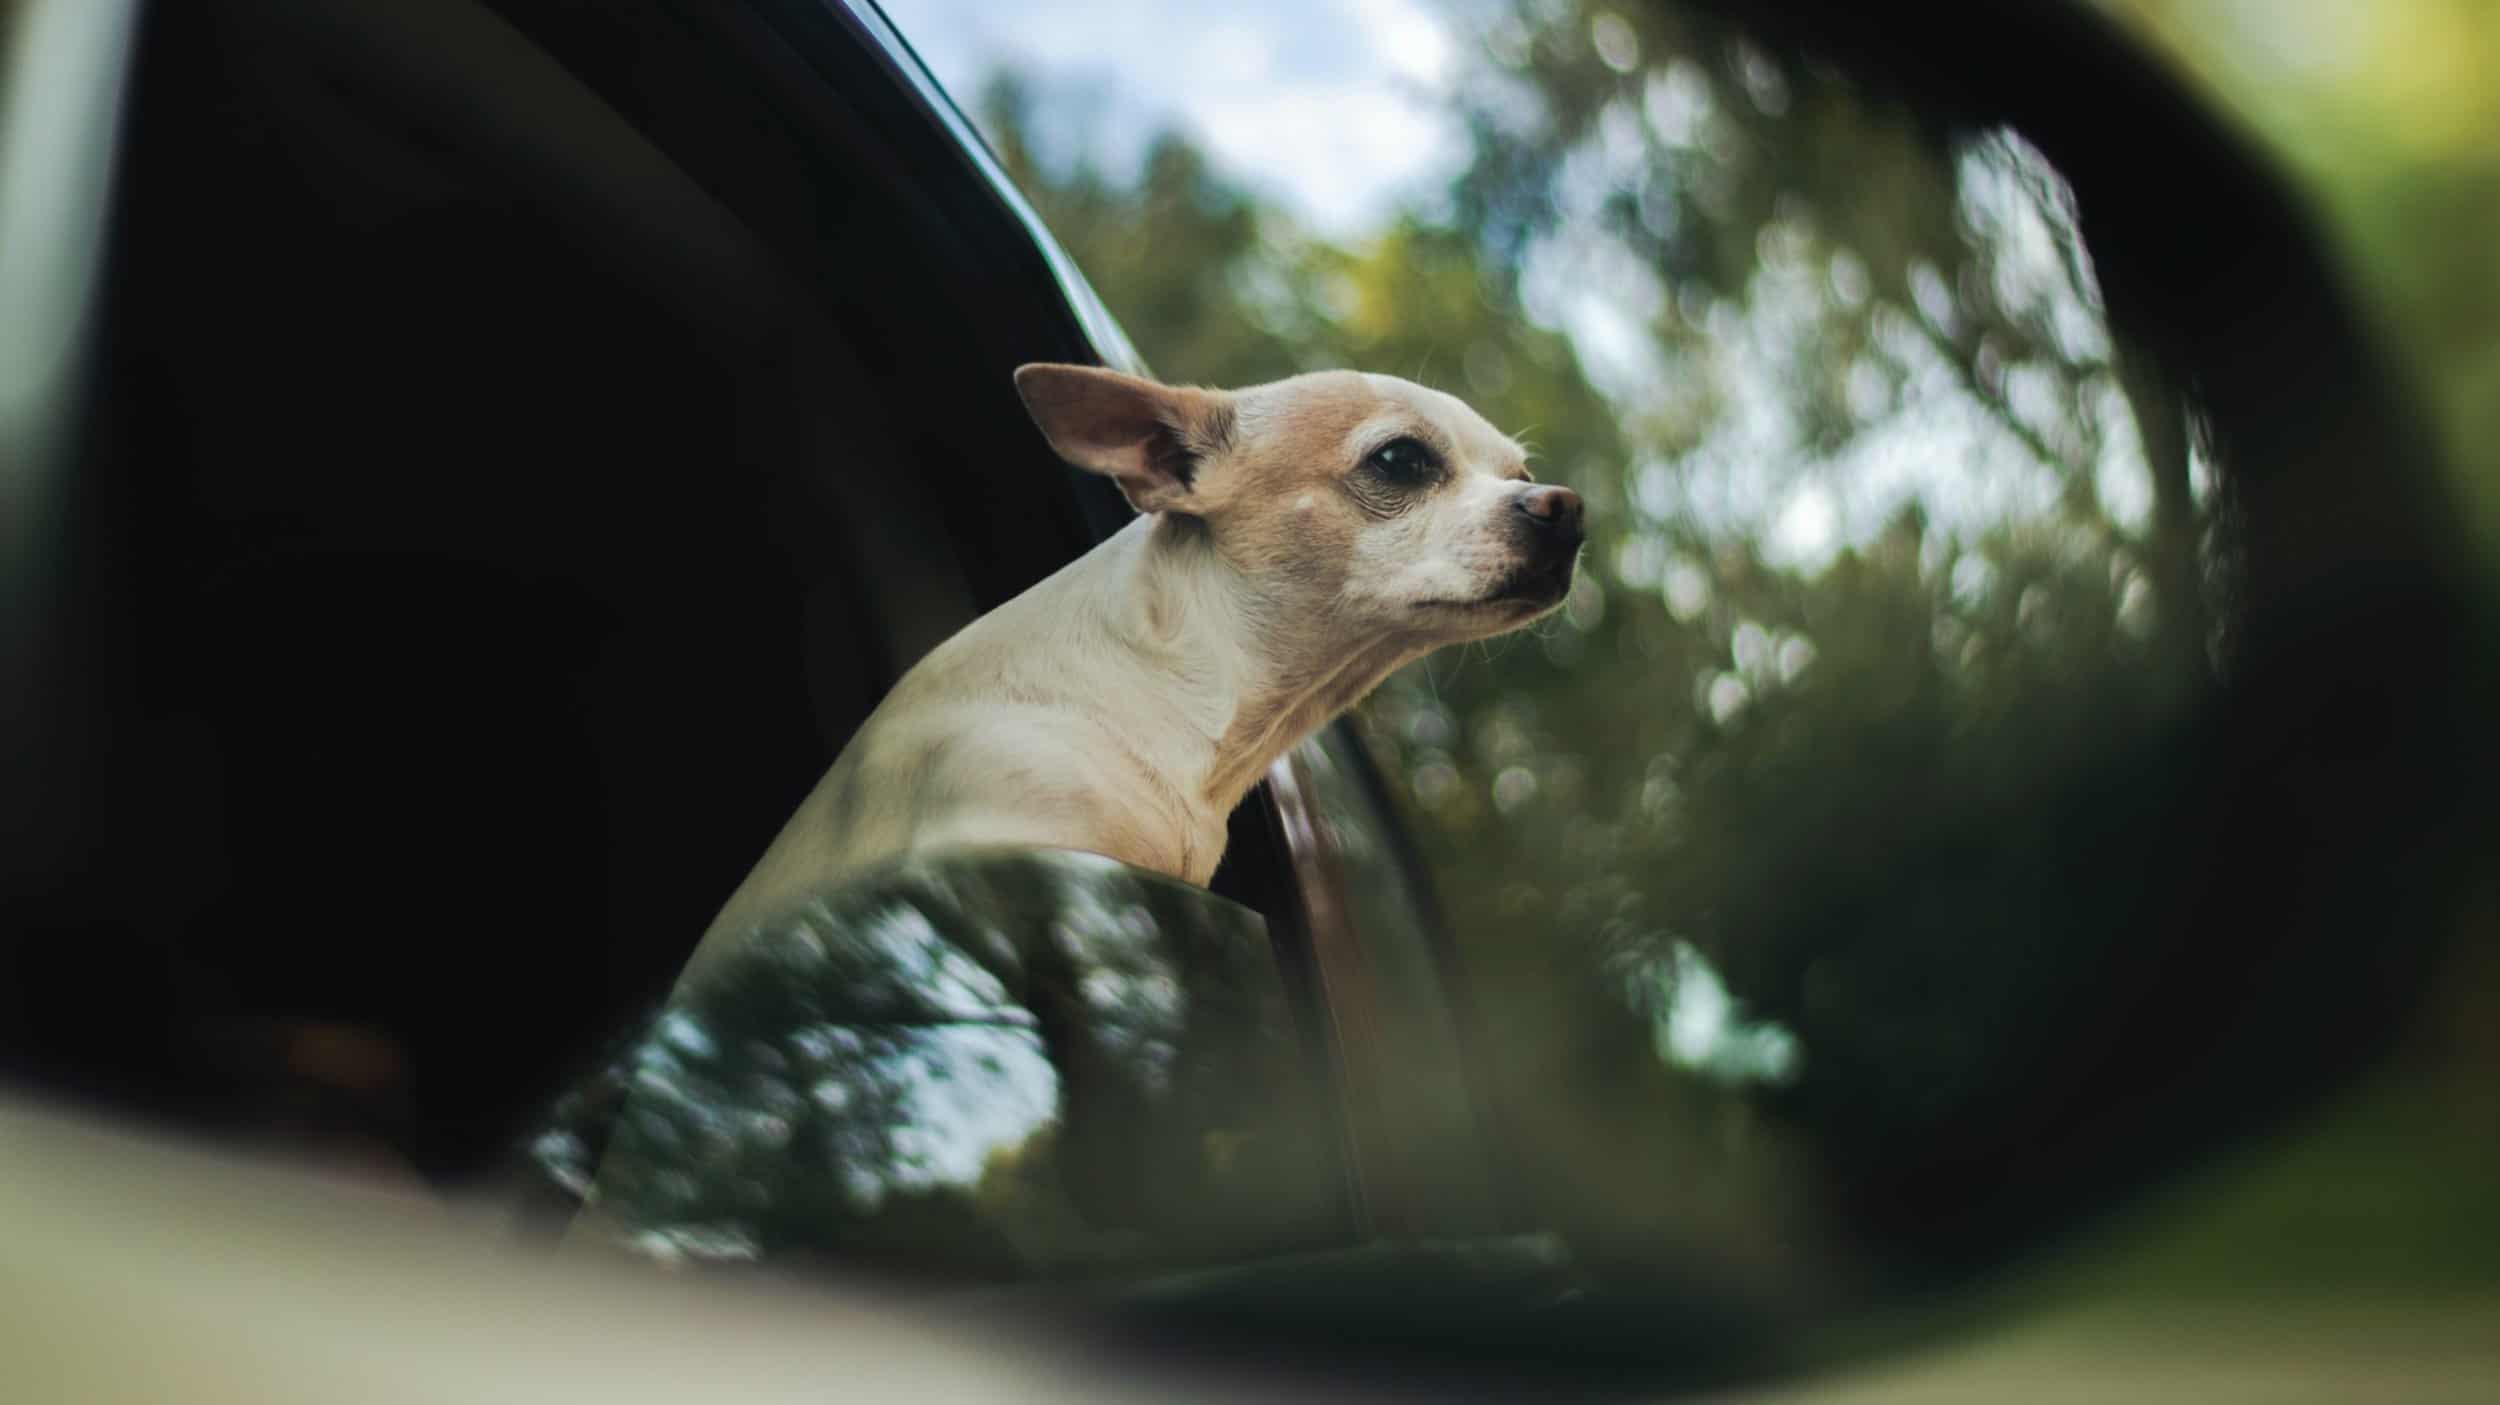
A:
[1554, 510]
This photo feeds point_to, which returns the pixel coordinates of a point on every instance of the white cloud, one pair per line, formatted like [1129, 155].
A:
[1341, 155]
[1330, 107]
[1407, 37]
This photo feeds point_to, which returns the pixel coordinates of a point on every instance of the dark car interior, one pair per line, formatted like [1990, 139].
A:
[525, 449]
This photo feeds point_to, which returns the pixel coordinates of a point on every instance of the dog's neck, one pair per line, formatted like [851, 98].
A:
[1251, 667]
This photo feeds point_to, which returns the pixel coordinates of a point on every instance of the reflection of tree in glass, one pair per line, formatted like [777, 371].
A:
[832, 1081]
[1186, 1094]
[992, 1067]
[1894, 541]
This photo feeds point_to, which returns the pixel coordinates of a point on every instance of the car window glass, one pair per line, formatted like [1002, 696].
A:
[1442, 1175]
[987, 1067]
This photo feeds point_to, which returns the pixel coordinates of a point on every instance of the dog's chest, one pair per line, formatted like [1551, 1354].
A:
[1202, 848]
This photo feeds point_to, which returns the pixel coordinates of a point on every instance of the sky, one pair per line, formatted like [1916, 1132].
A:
[1330, 108]
[1337, 111]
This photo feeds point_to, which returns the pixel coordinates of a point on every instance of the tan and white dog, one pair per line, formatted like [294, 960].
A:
[1297, 542]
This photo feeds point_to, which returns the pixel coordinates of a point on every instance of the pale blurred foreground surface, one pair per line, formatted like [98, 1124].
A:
[141, 1269]
[138, 1269]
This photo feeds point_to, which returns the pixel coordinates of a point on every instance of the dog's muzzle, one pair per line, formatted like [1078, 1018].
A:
[1550, 535]
[1553, 516]
[1551, 521]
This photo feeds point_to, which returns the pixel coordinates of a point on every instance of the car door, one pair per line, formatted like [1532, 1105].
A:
[525, 440]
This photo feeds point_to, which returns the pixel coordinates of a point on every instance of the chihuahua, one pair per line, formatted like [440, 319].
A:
[1296, 543]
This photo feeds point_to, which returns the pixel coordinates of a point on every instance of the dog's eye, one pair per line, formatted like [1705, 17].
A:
[1404, 462]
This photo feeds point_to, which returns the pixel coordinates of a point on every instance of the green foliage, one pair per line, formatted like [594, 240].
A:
[1833, 308]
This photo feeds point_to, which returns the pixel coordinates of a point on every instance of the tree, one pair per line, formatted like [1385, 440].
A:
[1892, 536]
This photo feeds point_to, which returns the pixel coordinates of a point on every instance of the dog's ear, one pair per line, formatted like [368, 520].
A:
[1151, 439]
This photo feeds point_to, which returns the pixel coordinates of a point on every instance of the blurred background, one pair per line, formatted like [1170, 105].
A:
[1910, 572]
[1999, 835]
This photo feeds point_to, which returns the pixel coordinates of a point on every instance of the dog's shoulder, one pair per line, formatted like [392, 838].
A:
[997, 772]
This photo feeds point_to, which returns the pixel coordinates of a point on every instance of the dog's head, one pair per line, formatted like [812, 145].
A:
[1385, 508]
